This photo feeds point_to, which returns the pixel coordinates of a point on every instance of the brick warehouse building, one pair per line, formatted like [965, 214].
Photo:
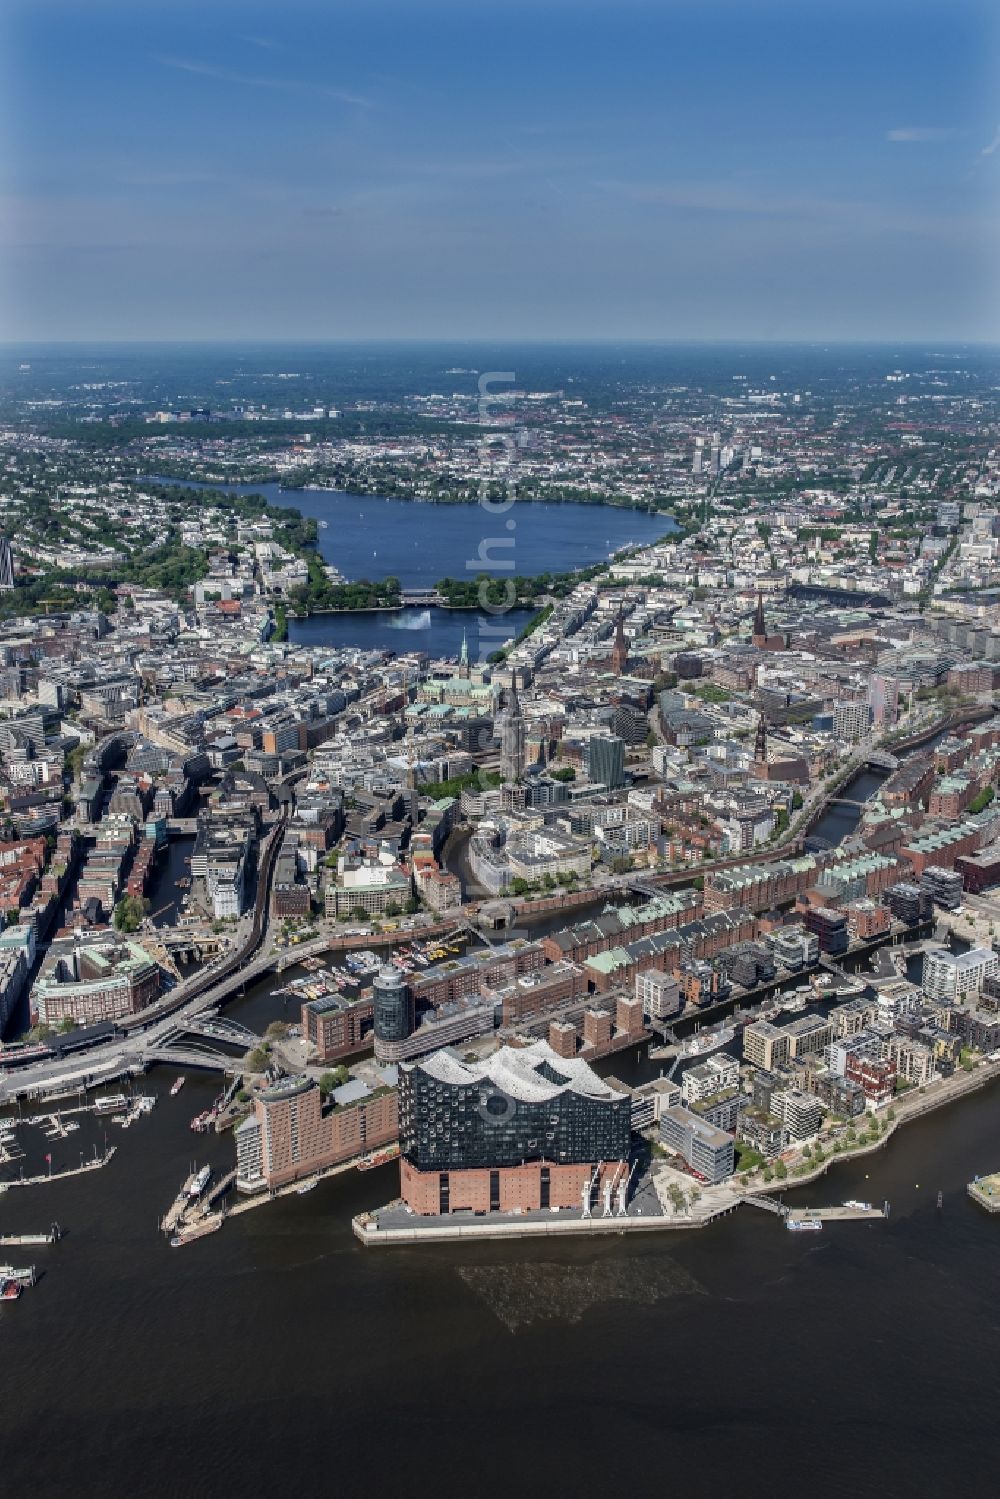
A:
[524, 1129]
[338, 1026]
[292, 1132]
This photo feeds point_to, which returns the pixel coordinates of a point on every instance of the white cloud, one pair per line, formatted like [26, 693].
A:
[913, 133]
[993, 146]
[225, 75]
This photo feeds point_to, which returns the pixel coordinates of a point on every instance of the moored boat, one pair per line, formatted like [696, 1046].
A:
[200, 1182]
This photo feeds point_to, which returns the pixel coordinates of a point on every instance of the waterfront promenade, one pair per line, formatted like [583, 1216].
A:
[393, 1224]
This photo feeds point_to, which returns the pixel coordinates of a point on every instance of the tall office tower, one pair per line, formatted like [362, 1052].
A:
[883, 699]
[512, 736]
[393, 1007]
[698, 462]
[619, 653]
[714, 457]
[6, 566]
[606, 760]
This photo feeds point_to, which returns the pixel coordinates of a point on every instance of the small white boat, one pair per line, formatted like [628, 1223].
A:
[305, 1187]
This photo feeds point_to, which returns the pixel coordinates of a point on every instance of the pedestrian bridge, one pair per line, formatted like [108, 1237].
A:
[881, 760]
[219, 1028]
[193, 1056]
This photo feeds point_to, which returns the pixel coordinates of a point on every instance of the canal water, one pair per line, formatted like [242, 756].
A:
[164, 894]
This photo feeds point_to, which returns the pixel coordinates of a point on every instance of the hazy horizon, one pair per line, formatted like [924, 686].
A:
[440, 172]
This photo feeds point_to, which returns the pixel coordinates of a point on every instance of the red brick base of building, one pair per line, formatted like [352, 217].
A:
[506, 1189]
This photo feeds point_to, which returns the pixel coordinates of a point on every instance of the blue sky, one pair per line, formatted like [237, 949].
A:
[684, 169]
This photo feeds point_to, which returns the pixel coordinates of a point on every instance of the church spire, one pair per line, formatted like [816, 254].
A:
[463, 656]
[759, 633]
[411, 769]
[619, 653]
[512, 736]
[760, 741]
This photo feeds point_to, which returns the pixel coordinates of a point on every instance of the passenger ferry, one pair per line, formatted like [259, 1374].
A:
[200, 1182]
[111, 1103]
[804, 1225]
[703, 1043]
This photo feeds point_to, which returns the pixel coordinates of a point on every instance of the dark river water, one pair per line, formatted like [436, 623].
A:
[279, 1357]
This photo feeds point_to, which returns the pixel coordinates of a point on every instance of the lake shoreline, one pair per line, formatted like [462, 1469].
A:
[399, 609]
[248, 486]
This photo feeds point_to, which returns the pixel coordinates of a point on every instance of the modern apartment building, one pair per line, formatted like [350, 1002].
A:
[958, 977]
[708, 1151]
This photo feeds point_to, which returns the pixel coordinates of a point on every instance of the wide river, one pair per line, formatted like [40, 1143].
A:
[279, 1357]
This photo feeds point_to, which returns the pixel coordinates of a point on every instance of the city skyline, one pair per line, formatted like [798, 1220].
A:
[687, 173]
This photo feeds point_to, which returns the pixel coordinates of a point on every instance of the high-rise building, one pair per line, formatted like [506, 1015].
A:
[606, 760]
[512, 736]
[851, 722]
[524, 1128]
[830, 926]
[6, 566]
[393, 1007]
[883, 699]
